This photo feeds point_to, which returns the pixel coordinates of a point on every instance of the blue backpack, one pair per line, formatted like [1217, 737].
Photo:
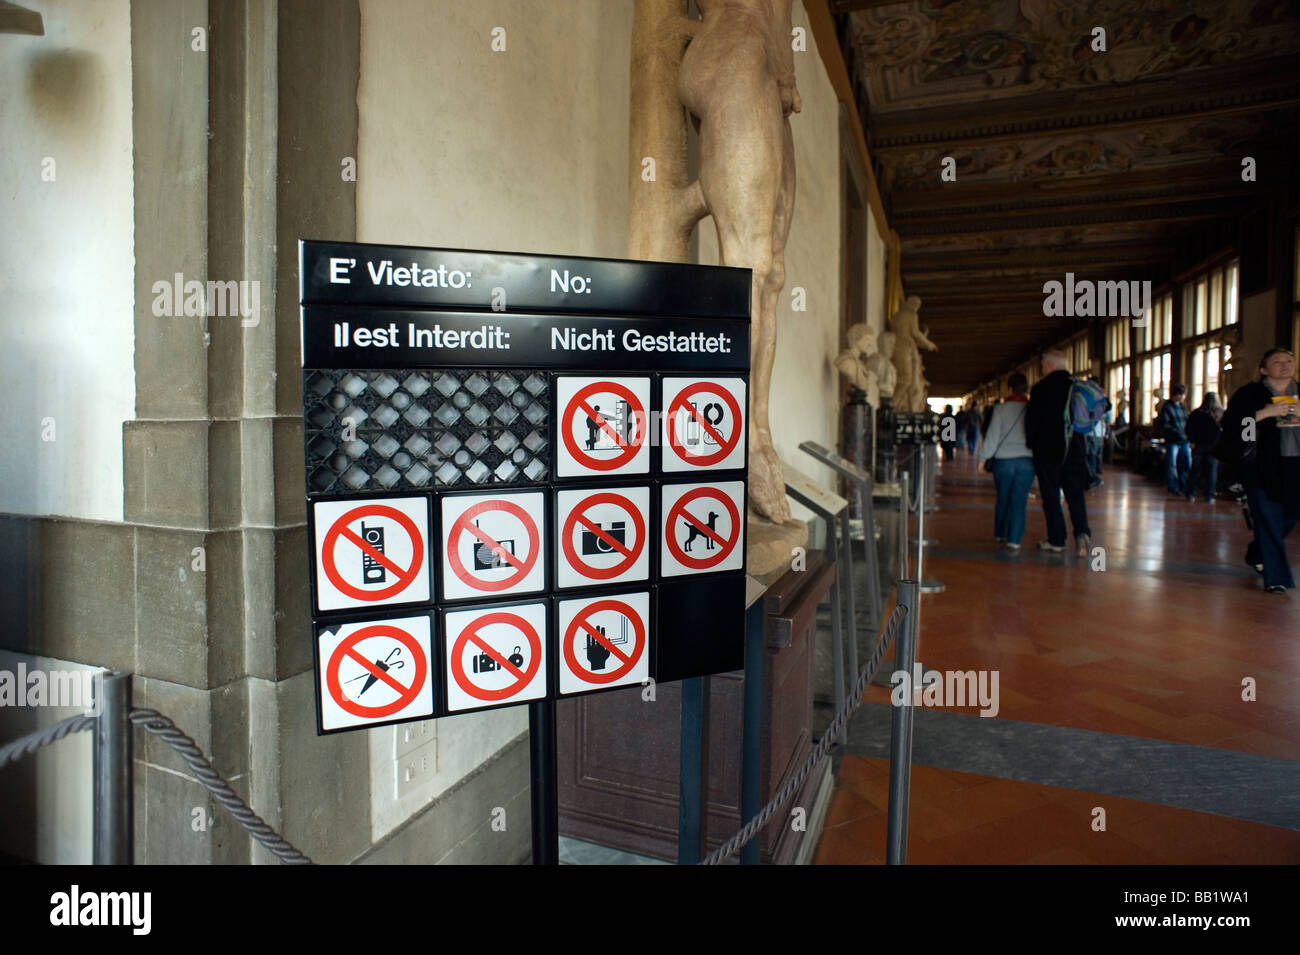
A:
[1085, 406]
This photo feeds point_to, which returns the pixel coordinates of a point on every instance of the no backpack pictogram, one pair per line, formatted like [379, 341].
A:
[492, 545]
[494, 656]
[603, 535]
[371, 553]
[376, 671]
[704, 423]
[603, 426]
[702, 529]
[604, 643]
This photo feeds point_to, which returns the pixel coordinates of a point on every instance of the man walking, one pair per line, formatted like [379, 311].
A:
[1060, 455]
[1178, 452]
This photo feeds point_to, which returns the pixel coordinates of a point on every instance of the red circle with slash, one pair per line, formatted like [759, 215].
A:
[630, 553]
[462, 525]
[725, 546]
[523, 677]
[580, 621]
[578, 406]
[405, 694]
[725, 445]
[340, 528]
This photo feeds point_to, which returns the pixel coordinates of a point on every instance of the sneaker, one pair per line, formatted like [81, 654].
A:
[1049, 546]
[1083, 545]
[1257, 568]
[1275, 589]
[1013, 546]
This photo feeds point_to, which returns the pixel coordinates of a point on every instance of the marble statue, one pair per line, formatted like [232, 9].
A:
[910, 390]
[881, 366]
[854, 362]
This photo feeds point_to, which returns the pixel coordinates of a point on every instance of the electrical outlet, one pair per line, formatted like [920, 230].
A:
[417, 767]
[411, 736]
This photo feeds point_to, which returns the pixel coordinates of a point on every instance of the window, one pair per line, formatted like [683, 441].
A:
[1117, 385]
[1211, 303]
[1155, 386]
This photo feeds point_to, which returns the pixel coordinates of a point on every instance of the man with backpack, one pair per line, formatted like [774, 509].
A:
[1058, 408]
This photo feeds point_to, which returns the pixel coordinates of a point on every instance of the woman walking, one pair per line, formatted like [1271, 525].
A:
[1261, 432]
[1005, 453]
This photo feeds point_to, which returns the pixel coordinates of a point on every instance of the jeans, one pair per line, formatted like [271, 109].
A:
[1269, 546]
[1070, 477]
[1012, 477]
[972, 439]
[1203, 463]
[1178, 460]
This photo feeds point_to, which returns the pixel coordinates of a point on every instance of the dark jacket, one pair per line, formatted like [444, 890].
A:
[1278, 477]
[1173, 422]
[1202, 429]
[1045, 416]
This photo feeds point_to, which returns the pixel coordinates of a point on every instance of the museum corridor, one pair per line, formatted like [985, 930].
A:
[1120, 689]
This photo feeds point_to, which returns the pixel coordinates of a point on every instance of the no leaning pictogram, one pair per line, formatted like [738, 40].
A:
[376, 672]
[704, 424]
[371, 553]
[492, 545]
[604, 642]
[603, 426]
[495, 656]
[702, 528]
[603, 536]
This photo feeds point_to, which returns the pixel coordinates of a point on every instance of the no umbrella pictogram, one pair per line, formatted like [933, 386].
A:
[702, 528]
[604, 642]
[602, 536]
[371, 553]
[495, 656]
[492, 545]
[376, 672]
[603, 426]
[704, 424]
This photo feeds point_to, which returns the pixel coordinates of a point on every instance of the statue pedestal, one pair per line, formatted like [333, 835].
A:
[857, 437]
[886, 466]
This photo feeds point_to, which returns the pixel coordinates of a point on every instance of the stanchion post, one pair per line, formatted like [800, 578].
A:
[903, 521]
[545, 783]
[900, 731]
[114, 824]
[693, 787]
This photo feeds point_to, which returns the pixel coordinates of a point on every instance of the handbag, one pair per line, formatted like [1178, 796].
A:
[988, 462]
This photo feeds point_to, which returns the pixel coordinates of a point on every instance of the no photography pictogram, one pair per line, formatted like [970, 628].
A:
[607, 542]
[406, 694]
[726, 443]
[472, 634]
[465, 525]
[583, 629]
[580, 414]
[403, 576]
[723, 546]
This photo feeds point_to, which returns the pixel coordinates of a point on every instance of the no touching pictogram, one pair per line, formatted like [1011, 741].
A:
[495, 656]
[375, 672]
[702, 528]
[603, 426]
[491, 545]
[704, 424]
[604, 642]
[602, 536]
[372, 553]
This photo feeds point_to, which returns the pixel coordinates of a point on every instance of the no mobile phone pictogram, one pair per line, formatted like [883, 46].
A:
[371, 553]
[603, 426]
[704, 424]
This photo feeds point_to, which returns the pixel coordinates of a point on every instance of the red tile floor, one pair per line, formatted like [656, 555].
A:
[1156, 646]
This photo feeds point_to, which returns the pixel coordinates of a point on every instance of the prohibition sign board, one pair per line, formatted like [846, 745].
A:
[492, 545]
[495, 656]
[603, 426]
[702, 528]
[602, 535]
[604, 642]
[371, 552]
[375, 672]
[704, 424]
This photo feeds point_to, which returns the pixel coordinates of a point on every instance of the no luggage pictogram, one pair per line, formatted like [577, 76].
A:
[602, 536]
[604, 641]
[603, 426]
[704, 424]
[492, 545]
[371, 553]
[495, 656]
[375, 672]
[702, 528]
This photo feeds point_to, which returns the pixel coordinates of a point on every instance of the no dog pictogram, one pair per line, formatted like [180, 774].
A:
[519, 673]
[704, 423]
[376, 561]
[490, 554]
[703, 524]
[603, 427]
[586, 539]
[625, 643]
[386, 669]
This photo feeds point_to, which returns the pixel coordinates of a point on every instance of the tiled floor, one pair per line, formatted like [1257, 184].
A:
[1156, 646]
